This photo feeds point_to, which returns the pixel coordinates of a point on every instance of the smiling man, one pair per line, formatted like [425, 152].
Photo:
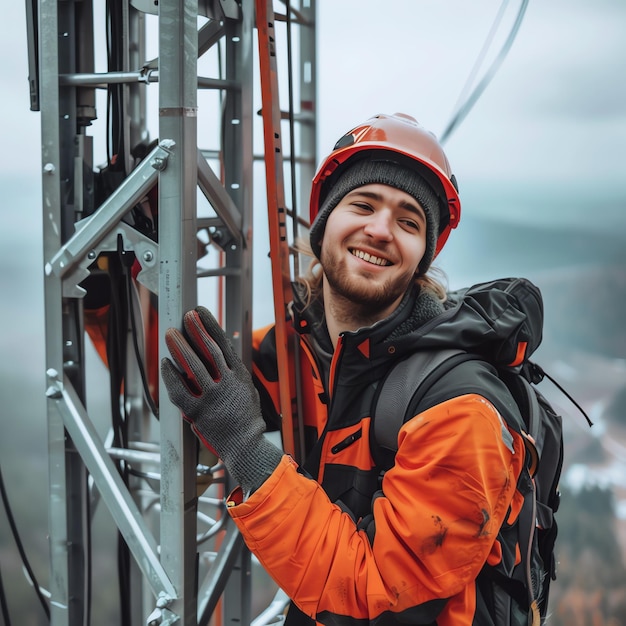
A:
[375, 236]
[349, 539]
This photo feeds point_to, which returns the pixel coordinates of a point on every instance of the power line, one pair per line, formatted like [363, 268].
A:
[465, 107]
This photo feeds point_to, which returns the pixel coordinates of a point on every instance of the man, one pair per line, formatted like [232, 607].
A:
[348, 542]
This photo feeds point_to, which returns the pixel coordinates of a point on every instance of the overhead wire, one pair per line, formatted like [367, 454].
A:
[119, 269]
[3, 603]
[119, 266]
[465, 106]
[22, 553]
[130, 286]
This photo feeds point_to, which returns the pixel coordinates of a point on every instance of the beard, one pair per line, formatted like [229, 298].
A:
[358, 295]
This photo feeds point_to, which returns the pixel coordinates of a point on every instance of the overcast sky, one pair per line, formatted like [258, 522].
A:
[556, 109]
[544, 143]
[555, 112]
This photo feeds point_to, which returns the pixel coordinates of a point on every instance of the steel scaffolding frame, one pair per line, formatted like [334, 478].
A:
[177, 574]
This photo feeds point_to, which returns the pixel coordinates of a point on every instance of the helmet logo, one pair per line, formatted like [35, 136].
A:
[346, 140]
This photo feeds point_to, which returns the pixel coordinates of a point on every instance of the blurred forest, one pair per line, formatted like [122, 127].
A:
[590, 588]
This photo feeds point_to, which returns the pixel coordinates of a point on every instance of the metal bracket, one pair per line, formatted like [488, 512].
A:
[162, 616]
[145, 249]
[91, 232]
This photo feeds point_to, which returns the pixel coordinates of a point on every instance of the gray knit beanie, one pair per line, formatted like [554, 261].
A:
[367, 171]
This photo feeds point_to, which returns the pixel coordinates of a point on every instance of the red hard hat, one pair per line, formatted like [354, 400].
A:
[399, 138]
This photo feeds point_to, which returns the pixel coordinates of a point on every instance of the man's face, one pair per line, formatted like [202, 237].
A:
[373, 243]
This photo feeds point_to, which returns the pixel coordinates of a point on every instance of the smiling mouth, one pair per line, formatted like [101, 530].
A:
[370, 258]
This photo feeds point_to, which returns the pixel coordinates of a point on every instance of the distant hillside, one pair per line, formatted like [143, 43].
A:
[493, 247]
[582, 276]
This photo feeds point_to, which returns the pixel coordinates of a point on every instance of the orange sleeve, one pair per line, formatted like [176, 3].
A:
[435, 522]
[265, 368]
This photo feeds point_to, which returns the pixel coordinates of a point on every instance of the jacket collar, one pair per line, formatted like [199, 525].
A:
[500, 320]
[387, 337]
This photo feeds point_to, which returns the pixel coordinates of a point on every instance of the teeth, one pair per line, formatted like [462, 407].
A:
[370, 258]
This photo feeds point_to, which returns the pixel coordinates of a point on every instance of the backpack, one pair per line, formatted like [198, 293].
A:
[535, 530]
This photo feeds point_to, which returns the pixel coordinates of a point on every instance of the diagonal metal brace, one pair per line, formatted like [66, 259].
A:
[219, 199]
[92, 230]
[212, 589]
[116, 496]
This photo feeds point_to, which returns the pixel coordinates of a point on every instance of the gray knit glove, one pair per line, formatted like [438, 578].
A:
[215, 392]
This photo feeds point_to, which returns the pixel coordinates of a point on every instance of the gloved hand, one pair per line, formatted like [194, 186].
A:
[215, 392]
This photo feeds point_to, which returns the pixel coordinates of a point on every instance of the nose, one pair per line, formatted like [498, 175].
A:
[379, 224]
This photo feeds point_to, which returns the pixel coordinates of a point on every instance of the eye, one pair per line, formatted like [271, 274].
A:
[363, 206]
[410, 224]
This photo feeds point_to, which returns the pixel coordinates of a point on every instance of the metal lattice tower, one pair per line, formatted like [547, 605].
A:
[126, 239]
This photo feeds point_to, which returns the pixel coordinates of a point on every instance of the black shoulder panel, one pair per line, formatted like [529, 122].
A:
[472, 377]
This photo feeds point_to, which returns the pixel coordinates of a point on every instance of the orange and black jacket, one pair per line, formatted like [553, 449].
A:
[353, 545]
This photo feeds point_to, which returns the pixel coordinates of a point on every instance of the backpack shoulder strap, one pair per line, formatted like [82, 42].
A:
[405, 385]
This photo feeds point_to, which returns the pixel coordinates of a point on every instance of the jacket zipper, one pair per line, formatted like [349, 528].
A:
[334, 364]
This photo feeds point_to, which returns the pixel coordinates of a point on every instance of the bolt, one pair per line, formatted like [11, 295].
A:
[53, 392]
[148, 256]
[158, 163]
[91, 254]
[163, 600]
[167, 144]
[49, 168]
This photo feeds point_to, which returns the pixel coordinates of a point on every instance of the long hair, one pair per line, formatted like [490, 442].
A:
[311, 280]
